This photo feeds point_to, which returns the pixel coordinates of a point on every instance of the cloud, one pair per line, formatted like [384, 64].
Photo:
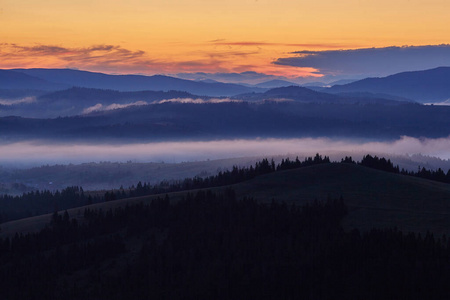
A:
[41, 152]
[117, 59]
[101, 107]
[10, 102]
[443, 103]
[96, 56]
[213, 56]
[96, 107]
[103, 58]
[370, 61]
[195, 101]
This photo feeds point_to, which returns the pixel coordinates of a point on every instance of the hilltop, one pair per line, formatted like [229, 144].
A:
[374, 198]
[282, 231]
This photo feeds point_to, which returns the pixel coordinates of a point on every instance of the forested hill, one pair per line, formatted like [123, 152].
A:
[374, 197]
[213, 245]
[89, 96]
[263, 232]
[190, 121]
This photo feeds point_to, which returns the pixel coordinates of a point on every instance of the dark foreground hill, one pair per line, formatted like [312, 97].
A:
[224, 244]
[374, 198]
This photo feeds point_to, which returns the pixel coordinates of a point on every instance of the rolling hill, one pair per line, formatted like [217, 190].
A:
[230, 120]
[374, 198]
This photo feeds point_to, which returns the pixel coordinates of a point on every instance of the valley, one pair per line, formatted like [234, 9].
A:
[124, 186]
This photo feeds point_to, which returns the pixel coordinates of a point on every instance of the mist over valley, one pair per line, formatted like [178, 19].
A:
[223, 150]
[86, 123]
[91, 164]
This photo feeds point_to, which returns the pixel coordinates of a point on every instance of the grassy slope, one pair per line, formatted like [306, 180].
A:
[374, 198]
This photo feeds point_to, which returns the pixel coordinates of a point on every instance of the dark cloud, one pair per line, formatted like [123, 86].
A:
[111, 53]
[43, 50]
[110, 58]
[371, 61]
[103, 58]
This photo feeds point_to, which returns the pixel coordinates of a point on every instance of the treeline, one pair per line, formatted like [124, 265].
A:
[386, 165]
[214, 246]
[41, 202]
[235, 175]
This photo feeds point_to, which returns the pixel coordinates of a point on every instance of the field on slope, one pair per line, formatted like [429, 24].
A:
[374, 198]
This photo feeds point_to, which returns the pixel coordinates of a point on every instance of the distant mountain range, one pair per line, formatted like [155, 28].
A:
[275, 84]
[78, 100]
[15, 80]
[422, 86]
[56, 79]
[306, 95]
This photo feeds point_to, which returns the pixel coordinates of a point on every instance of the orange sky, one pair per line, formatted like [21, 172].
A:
[171, 36]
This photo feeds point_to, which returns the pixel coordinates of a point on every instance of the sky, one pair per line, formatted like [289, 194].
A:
[290, 38]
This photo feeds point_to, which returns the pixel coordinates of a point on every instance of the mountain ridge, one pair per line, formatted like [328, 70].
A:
[136, 82]
[15, 80]
[423, 86]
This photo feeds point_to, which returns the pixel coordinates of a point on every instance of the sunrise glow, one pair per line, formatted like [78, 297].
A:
[172, 36]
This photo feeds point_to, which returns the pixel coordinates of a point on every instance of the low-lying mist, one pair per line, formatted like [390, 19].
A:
[35, 153]
[9, 102]
[100, 107]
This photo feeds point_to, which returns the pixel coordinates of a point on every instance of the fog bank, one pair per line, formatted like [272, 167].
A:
[10, 102]
[37, 152]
